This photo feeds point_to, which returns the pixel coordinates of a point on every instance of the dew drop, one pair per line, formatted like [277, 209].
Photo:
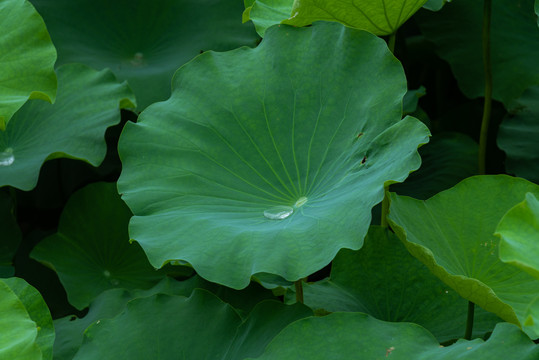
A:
[6, 157]
[278, 212]
[115, 282]
[106, 273]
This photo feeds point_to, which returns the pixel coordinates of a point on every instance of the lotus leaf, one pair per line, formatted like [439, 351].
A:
[519, 235]
[19, 331]
[143, 41]
[265, 13]
[38, 311]
[27, 69]
[149, 329]
[383, 280]
[381, 17]
[336, 337]
[452, 233]
[91, 251]
[255, 161]
[88, 103]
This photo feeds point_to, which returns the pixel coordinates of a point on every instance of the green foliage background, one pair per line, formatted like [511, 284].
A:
[269, 179]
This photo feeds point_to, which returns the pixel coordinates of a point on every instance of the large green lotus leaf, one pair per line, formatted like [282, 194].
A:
[74, 126]
[70, 329]
[269, 159]
[27, 58]
[385, 281]
[91, 251]
[457, 29]
[166, 327]
[359, 336]
[38, 311]
[519, 235]
[143, 41]
[11, 234]
[447, 159]
[381, 17]
[453, 234]
[518, 134]
[19, 332]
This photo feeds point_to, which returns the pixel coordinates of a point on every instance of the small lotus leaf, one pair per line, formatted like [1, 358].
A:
[143, 41]
[519, 235]
[457, 32]
[359, 336]
[91, 251]
[383, 280]
[255, 162]
[381, 17]
[19, 331]
[88, 103]
[518, 134]
[38, 311]
[452, 234]
[27, 58]
[167, 327]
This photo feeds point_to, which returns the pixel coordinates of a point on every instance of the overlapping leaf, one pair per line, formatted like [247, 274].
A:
[359, 336]
[25, 322]
[27, 58]
[91, 251]
[70, 330]
[457, 29]
[38, 311]
[265, 13]
[452, 233]
[385, 281]
[165, 327]
[518, 134]
[254, 163]
[519, 235]
[88, 103]
[381, 17]
[143, 41]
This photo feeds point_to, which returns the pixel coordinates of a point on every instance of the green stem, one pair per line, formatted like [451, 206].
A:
[391, 42]
[487, 65]
[299, 290]
[385, 208]
[469, 321]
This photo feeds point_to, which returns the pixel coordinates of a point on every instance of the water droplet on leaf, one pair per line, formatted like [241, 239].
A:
[6, 157]
[278, 212]
[115, 282]
[106, 273]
